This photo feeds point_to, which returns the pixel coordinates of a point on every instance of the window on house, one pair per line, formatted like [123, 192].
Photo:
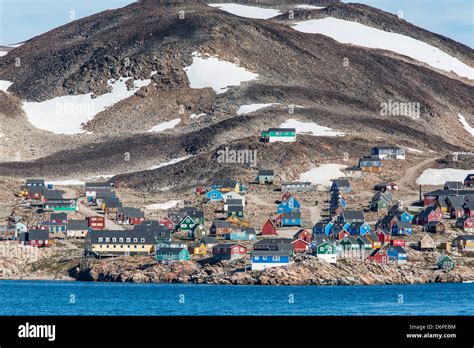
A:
[114, 240]
[107, 239]
[135, 240]
[100, 239]
[142, 240]
[128, 240]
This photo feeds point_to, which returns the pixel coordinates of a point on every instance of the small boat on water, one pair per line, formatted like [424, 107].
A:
[468, 281]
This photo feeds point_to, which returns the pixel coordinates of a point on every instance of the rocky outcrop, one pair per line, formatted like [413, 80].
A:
[306, 270]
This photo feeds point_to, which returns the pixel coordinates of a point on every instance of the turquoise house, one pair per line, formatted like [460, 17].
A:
[214, 196]
[168, 254]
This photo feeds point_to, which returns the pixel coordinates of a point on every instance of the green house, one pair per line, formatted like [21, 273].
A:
[364, 243]
[445, 262]
[168, 254]
[350, 243]
[235, 210]
[61, 205]
[326, 251]
[197, 232]
[187, 223]
[279, 134]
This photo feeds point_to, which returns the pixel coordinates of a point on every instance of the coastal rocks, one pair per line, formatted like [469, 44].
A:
[305, 270]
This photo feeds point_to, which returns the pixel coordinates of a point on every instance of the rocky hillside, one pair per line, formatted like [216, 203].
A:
[293, 67]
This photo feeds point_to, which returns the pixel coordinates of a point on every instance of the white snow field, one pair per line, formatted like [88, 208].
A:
[4, 85]
[215, 73]
[67, 114]
[466, 125]
[163, 206]
[324, 174]
[247, 109]
[173, 161]
[71, 182]
[247, 11]
[196, 116]
[165, 125]
[361, 35]
[310, 128]
[440, 176]
[309, 7]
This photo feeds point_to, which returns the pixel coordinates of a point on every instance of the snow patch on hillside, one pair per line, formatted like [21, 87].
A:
[310, 128]
[196, 116]
[324, 174]
[247, 11]
[440, 176]
[466, 125]
[163, 206]
[4, 85]
[310, 7]
[217, 74]
[71, 182]
[173, 161]
[67, 114]
[247, 109]
[361, 35]
[165, 125]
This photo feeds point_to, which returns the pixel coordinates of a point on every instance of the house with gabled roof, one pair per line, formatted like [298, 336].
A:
[342, 185]
[290, 219]
[466, 223]
[445, 262]
[323, 227]
[351, 216]
[325, 250]
[401, 228]
[269, 228]
[397, 254]
[359, 228]
[279, 134]
[426, 243]
[265, 176]
[288, 206]
[453, 185]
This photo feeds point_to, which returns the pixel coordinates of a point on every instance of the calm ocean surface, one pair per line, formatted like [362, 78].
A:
[84, 298]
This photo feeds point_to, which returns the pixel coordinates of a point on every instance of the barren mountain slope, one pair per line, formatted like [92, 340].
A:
[294, 68]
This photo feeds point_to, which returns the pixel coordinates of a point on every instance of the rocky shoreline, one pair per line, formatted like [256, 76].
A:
[306, 270]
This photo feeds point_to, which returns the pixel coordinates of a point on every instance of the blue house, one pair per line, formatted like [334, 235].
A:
[323, 227]
[247, 234]
[401, 228]
[359, 228]
[290, 219]
[271, 252]
[214, 195]
[398, 254]
[405, 217]
[289, 206]
[342, 185]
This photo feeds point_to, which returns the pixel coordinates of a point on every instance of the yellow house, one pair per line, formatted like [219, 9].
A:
[226, 185]
[235, 220]
[120, 242]
[198, 249]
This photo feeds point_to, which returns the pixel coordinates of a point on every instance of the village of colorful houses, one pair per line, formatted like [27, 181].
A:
[184, 233]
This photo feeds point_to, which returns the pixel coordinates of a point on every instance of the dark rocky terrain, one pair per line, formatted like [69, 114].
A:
[294, 68]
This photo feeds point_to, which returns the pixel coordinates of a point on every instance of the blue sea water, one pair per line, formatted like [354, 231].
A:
[88, 298]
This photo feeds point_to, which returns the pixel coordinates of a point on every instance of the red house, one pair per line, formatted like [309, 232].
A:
[96, 222]
[379, 256]
[38, 238]
[166, 221]
[340, 235]
[383, 235]
[305, 235]
[466, 223]
[228, 251]
[397, 242]
[130, 216]
[392, 187]
[300, 245]
[269, 228]
[429, 199]
[430, 214]
[285, 196]
[469, 209]
[58, 218]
